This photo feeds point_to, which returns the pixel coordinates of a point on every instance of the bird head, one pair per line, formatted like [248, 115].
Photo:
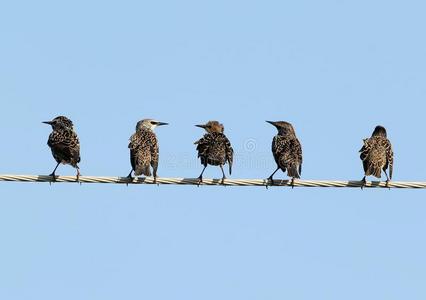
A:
[60, 122]
[284, 128]
[212, 126]
[379, 131]
[150, 124]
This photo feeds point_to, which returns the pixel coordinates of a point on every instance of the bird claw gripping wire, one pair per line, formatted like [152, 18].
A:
[200, 180]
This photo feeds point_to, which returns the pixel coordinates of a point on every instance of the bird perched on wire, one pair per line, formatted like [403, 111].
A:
[144, 149]
[64, 143]
[377, 155]
[287, 151]
[214, 148]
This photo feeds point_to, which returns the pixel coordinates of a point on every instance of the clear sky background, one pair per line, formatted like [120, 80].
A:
[335, 69]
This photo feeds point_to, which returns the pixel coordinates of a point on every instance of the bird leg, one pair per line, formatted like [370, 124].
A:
[53, 173]
[364, 182]
[129, 177]
[270, 178]
[155, 176]
[200, 178]
[223, 175]
[78, 175]
[387, 179]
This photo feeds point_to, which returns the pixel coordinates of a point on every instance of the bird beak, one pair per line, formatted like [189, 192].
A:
[270, 122]
[162, 123]
[48, 122]
[201, 126]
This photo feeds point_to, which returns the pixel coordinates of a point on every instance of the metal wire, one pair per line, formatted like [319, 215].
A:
[216, 182]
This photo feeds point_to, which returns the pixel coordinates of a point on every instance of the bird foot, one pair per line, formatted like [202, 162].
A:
[223, 181]
[292, 183]
[53, 177]
[155, 181]
[78, 177]
[200, 180]
[269, 182]
[363, 183]
[387, 184]
[129, 178]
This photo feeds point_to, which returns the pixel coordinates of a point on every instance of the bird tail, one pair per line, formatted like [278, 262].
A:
[292, 171]
[143, 170]
[375, 171]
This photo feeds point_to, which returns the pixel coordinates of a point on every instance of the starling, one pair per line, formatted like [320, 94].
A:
[287, 151]
[144, 150]
[214, 148]
[377, 155]
[64, 143]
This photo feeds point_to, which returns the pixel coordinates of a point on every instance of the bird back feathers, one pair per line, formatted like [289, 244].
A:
[144, 152]
[377, 155]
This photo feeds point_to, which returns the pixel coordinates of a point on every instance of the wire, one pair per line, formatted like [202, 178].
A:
[216, 182]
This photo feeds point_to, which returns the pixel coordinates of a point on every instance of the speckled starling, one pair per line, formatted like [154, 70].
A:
[287, 151]
[144, 149]
[64, 143]
[214, 148]
[377, 155]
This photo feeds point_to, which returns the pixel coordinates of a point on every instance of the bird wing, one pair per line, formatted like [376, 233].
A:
[229, 152]
[297, 146]
[203, 145]
[275, 148]
[365, 150]
[389, 157]
[154, 150]
[132, 146]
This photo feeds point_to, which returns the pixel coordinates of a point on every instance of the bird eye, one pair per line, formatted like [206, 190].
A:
[153, 123]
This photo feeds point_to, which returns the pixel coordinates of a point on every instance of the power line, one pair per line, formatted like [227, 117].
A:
[216, 182]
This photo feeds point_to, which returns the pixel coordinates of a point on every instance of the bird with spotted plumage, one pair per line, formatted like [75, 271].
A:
[287, 151]
[214, 148]
[377, 155]
[64, 144]
[144, 149]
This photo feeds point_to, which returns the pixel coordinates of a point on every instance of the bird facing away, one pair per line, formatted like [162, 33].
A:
[64, 143]
[214, 148]
[287, 151]
[144, 149]
[377, 155]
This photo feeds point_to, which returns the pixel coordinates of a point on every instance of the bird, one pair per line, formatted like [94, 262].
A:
[377, 155]
[214, 148]
[144, 149]
[64, 144]
[287, 151]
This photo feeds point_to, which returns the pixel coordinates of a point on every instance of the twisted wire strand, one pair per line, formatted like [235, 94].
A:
[216, 182]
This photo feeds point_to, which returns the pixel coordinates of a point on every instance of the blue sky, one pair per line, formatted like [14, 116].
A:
[334, 69]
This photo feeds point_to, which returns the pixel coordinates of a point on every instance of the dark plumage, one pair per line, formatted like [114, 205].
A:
[377, 154]
[214, 148]
[144, 149]
[64, 143]
[287, 150]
